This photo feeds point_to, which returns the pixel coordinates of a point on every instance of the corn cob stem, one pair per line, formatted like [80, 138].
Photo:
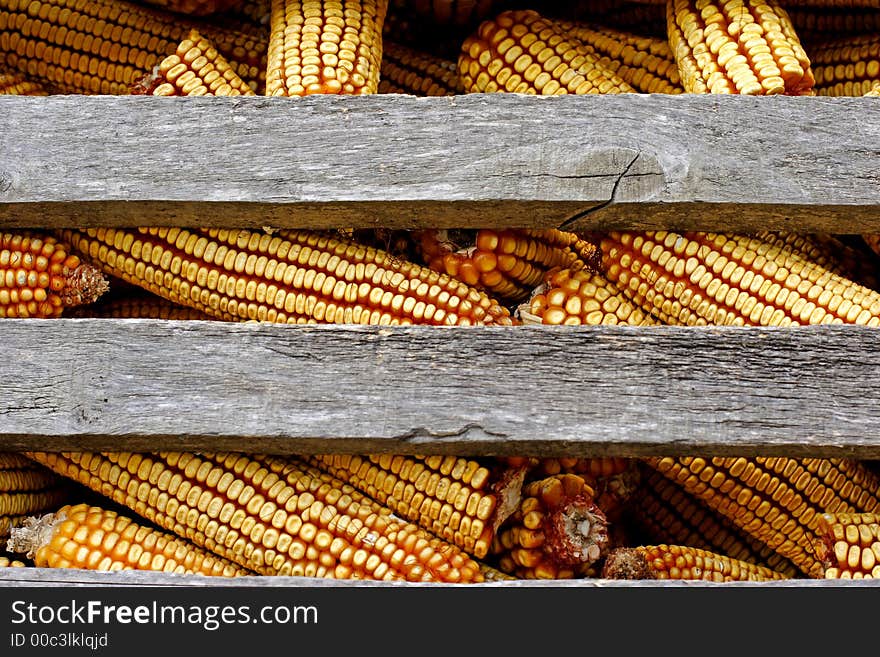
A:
[681, 562]
[849, 545]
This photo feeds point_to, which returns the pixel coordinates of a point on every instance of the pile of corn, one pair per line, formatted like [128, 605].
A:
[433, 518]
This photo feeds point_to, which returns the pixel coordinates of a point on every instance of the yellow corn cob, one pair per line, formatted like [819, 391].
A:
[664, 512]
[408, 71]
[95, 538]
[557, 532]
[275, 516]
[6, 562]
[646, 63]
[193, 7]
[849, 545]
[40, 277]
[715, 279]
[737, 47]
[506, 263]
[848, 66]
[102, 46]
[778, 501]
[195, 69]
[458, 499]
[521, 51]
[15, 84]
[288, 277]
[325, 47]
[139, 306]
[581, 297]
[682, 562]
[26, 488]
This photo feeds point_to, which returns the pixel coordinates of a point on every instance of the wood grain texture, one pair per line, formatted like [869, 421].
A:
[699, 162]
[80, 384]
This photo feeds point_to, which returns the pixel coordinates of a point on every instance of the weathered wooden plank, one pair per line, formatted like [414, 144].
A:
[149, 384]
[700, 162]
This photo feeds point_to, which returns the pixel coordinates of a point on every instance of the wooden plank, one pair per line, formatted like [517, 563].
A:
[698, 162]
[81, 384]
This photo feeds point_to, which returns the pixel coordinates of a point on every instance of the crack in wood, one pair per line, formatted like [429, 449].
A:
[584, 213]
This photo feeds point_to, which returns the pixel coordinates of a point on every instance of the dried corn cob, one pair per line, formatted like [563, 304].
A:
[664, 512]
[195, 69]
[102, 46]
[40, 277]
[849, 545]
[408, 71]
[778, 501]
[557, 532]
[7, 562]
[95, 538]
[139, 306]
[458, 499]
[325, 47]
[506, 263]
[27, 488]
[292, 276]
[848, 66]
[581, 297]
[711, 278]
[15, 84]
[817, 24]
[737, 47]
[521, 51]
[276, 516]
[193, 7]
[682, 562]
[646, 63]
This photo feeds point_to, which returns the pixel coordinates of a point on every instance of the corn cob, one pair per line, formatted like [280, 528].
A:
[95, 538]
[102, 46]
[581, 297]
[663, 512]
[816, 24]
[15, 84]
[139, 306]
[710, 278]
[681, 562]
[7, 562]
[457, 499]
[849, 545]
[193, 7]
[492, 574]
[509, 263]
[848, 66]
[522, 52]
[289, 277]
[40, 277]
[275, 516]
[737, 47]
[646, 63]
[557, 532]
[405, 70]
[325, 47]
[26, 488]
[778, 501]
[195, 69]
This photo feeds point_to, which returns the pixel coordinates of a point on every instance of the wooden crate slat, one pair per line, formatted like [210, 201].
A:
[150, 384]
[699, 162]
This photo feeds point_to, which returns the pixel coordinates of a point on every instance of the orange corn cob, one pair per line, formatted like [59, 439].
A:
[15, 84]
[682, 562]
[40, 277]
[195, 69]
[288, 277]
[275, 516]
[325, 47]
[506, 263]
[557, 532]
[778, 501]
[849, 545]
[520, 51]
[94, 538]
[405, 70]
[737, 47]
[715, 279]
[458, 499]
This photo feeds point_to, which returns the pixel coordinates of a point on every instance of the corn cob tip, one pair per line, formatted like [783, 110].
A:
[626, 563]
[577, 533]
[83, 284]
[33, 533]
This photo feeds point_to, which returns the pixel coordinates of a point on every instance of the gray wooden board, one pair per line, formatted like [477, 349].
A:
[701, 162]
[138, 384]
